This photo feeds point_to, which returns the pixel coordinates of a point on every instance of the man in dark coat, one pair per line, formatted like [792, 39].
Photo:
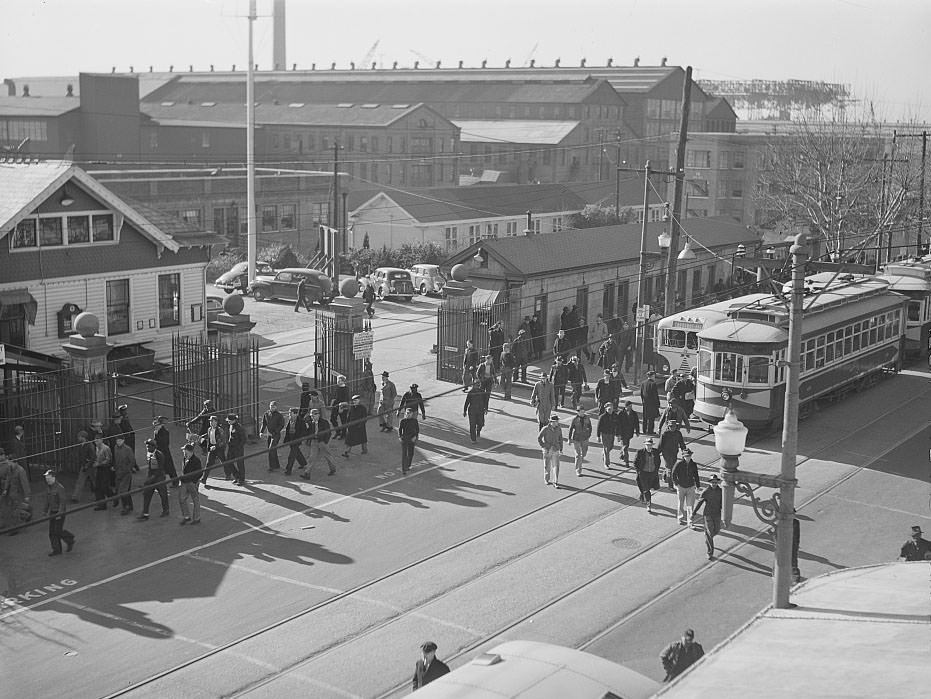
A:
[318, 437]
[475, 407]
[154, 481]
[303, 298]
[470, 362]
[272, 424]
[295, 430]
[625, 344]
[522, 349]
[508, 368]
[213, 443]
[561, 346]
[236, 448]
[671, 442]
[340, 394]
[408, 434]
[646, 462]
[559, 375]
[608, 353]
[605, 392]
[355, 429]
[200, 423]
[162, 439]
[495, 341]
[711, 499]
[607, 431]
[16, 449]
[649, 395]
[429, 667]
[368, 297]
[56, 506]
[577, 380]
[629, 426]
[126, 427]
[414, 400]
[679, 655]
[686, 479]
[188, 489]
[536, 336]
[916, 548]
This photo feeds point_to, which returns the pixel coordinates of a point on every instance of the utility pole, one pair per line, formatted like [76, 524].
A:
[250, 154]
[334, 216]
[921, 194]
[617, 174]
[670, 291]
[641, 317]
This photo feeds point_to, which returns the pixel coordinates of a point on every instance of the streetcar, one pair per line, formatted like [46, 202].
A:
[912, 278]
[676, 345]
[853, 331]
[540, 670]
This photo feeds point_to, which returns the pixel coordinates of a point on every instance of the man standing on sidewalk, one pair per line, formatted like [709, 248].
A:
[550, 440]
[294, 432]
[214, 444]
[386, 397]
[607, 431]
[272, 424]
[686, 480]
[103, 468]
[318, 433]
[236, 449]
[408, 433]
[124, 464]
[155, 480]
[679, 655]
[188, 489]
[580, 431]
[711, 498]
[55, 508]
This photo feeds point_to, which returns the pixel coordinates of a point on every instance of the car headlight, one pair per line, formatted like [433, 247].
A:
[726, 394]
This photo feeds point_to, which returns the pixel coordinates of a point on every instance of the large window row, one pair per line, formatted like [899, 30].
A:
[835, 345]
[57, 231]
[18, 129]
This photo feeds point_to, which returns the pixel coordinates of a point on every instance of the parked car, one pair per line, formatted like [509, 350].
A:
[237, 278]
[214, 307]
[428, 279]
[318, 288]
[393, 281]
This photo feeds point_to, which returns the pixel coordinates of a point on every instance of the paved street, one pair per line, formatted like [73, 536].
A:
[328, 587]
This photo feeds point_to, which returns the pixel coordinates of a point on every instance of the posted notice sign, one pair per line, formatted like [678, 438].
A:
[362, 344]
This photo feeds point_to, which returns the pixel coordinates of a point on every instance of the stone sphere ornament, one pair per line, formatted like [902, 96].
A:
[233, 304]
[459, 272]
[349, 288]
[86, 324]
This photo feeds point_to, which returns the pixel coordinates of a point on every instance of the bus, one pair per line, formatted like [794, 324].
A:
[852, 333]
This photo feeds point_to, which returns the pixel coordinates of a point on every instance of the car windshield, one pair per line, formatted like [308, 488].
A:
[398, 275]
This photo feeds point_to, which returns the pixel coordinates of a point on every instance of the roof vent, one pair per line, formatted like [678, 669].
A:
[208, 104]
[69, 90]
[344, 105]
[487, 659]
[400, 106]
[168, 104]
[557, 62]
[460, 65]
[25, 91]
[507, 63]
[416, 65]
[610, 62]
[296, 105]
[368, 106]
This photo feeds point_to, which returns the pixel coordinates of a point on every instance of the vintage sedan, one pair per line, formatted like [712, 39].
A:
[393, 282]
[237, 278]
[428, 279]
[318, 287]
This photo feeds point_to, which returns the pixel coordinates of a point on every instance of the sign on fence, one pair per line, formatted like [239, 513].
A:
[362, 344]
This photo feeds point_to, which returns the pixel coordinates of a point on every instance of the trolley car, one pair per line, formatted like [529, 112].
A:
[912, 278]
[852, 332]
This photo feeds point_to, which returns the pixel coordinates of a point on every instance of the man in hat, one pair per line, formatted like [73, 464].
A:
[87, 457]
[475, 407]
[408, 434]
[124, 465]
[607, 432]
[916, 548]
[272, 424]
[561, 346]
[577, 381]
[155, 480]
[629, 425]
[126, 427]
[495, 343]
[428, 667]
[413, 400]
[679, 655]
[646, 463]
[355, 426]
[551, 442]
[559, 375]
[671, 443]
[162, 439]
[295, 430]
[711, 498]
[236, 448]
[521, 349]
[318, 433]
[339, 395]
[685, 479]
[580, 431]
[606, 392]
[386, 397]
[213, 443]
[305, 399]
[56, 506]
[187, 492]
[470, 362]
[507, 365]
[200, 423]
[649, 396]
[367, 387]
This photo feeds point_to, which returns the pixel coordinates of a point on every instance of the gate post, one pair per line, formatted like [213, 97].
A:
[237, 380]
[454, 325]
[88, 351]
[338, 327]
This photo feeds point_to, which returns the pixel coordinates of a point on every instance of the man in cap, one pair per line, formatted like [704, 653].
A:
[577, 381]
[188, 490]
[428, 667]
[272, 424]
[685, 479]
[213, 443]
[318, 438]
[679, 655]
[916, 548]
[356, 433]
[521, 349]
[408, 434]
[56, 506]
[475, 407]
[124, 465]
[236, 448]
[580, 431]
[649, 395]
[551, 442]
[561, 346]
[413, 400]
[295, 430]
[126, 427]
[507, 364]
[606, 392]
[155, 480]
[646, 463]
[386, 397]
[711, 497]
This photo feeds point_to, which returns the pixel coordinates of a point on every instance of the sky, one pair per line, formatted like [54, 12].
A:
[879, 47]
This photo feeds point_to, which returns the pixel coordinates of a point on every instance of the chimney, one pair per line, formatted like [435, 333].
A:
[437, 65]
[663, 62]
[69, 91]
[460, 65]
[507, 63]
[278, 33]
[636, 61]
[610, 62]
[484, 62]
[556, 64]
[25, 91]
[416, 65]
[533, 62]
[352, 65]
[582, 63]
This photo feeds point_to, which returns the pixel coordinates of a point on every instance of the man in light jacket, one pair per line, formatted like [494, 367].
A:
[550, 440]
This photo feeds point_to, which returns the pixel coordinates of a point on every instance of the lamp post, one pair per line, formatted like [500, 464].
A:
[730, 438]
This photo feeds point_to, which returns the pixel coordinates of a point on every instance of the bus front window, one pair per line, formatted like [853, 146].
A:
[691, 340]
[674, 338]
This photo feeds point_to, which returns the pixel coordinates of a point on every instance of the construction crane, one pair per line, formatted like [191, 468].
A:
[530, 55]
[370, 55]
[426, 59]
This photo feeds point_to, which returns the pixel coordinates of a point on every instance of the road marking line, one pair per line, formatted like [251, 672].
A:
[249, 529]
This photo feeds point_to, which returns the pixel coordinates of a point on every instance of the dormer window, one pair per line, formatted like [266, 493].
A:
[58, 230]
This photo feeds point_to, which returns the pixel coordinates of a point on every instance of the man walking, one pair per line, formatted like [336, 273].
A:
[386, 397]
[474, 408]
[679, 655]
[469, 365]
[607, 431]
[605, 392]
[649, 396]
[294, 432]
[646, 462]
[155, 480]
[495, 343]
[414, 400]
[303, 299]
[686, 479]
[521, 349]
[428, 667]
[124, 464]
[543, 399]
[551, 442]
[87, 457]
[628, 426]
[162, 439]
[408, 434]
[272, 424]
[236, 449]
[915, 549]
[318, 433]
[214, 444]
[508, 369]
[16, 450]
[580, 431]
[559, 375]
[577, 381]
[356, 433]
[671, 442]
[55, 508]
[188, 491]
[368, 297]
[710, 498]
[103, 468]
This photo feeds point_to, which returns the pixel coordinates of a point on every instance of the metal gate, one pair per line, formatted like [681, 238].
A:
[457, 323]
[209, 369]
[335, 328]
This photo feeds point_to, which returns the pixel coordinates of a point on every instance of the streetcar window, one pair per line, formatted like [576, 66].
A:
[674, 338]
[856, 337]
[829, 353]
[809, 361]
[848, 340]
[704, 364]
[873, 323]
[691, 340]
[728, 367]
[757, 369]
[914, 311]
[780, 364]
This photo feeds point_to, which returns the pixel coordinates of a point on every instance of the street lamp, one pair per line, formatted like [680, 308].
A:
[688, 253]
[730, 438]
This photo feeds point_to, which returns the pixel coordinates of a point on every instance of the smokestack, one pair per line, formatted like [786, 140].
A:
[278, 41]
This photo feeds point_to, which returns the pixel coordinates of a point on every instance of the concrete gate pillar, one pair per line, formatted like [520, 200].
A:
[454, 325]
[89, 397]
[237, 390]
[341, 327]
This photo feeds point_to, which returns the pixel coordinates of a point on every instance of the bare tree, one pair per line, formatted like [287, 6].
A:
[841, 180]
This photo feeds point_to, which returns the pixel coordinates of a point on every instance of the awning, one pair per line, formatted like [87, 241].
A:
[486, 297]
[21, 359]
[20, 297]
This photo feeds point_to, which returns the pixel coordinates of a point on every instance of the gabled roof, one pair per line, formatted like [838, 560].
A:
[38, 106]
[186, 234]
[537, 255]
[25, 185]
[441, 204]
[347, 114]
[535, 131]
